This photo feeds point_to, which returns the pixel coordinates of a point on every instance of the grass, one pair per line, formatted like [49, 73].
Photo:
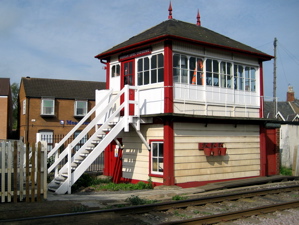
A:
[135, 200]
[178, 197]
[87, 180]
[285, 171]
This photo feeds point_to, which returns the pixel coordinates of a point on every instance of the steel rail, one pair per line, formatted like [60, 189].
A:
[169, 205]
[237, 214]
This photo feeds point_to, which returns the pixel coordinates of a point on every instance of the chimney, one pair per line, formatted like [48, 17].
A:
[290, 94]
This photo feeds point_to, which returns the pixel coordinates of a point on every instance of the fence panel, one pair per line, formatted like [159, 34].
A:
[23, 171]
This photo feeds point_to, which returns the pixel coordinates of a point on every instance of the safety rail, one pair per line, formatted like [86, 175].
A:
[95, 145]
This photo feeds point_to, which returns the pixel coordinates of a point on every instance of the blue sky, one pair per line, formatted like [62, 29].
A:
[59, 38]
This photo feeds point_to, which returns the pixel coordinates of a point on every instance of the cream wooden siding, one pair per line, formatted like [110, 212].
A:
[135, 154]
[242, 159]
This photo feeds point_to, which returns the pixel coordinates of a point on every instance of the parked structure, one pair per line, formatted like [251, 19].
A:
[5, 109]
[50, 108]
[288, 115]
[183, 106]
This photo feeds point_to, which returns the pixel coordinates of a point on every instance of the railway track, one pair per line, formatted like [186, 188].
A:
[172, 212]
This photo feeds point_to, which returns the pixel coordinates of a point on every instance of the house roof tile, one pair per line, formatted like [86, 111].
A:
[64, 89]
[4, 86]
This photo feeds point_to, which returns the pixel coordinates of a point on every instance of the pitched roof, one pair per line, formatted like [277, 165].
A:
[4, 86]
[286, 109]
[179, 30]
[64, 89]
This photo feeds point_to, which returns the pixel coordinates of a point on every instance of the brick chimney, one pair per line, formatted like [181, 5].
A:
[290, 94]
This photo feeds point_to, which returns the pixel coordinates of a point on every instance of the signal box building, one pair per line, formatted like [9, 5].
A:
[200, 100]
[184, 107]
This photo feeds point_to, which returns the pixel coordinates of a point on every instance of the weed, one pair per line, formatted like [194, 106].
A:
[285, 171]
[178, 197]
[176, 213]
[135, 200]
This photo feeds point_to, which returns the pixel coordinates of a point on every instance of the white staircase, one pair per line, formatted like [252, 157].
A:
[112, 124]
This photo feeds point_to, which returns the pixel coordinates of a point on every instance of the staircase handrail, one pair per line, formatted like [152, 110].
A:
[54, 150]
[88, 127]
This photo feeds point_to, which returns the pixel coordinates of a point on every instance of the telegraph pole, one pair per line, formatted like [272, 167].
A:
[274, 80]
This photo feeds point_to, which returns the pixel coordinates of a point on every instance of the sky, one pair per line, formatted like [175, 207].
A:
[58, 39]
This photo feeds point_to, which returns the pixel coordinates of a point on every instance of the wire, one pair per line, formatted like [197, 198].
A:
[292, 56]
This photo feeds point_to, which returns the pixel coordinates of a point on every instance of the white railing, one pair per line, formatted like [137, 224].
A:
[104, 110]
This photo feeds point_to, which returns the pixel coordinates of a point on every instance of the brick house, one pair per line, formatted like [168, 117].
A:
[5, 109]
[52, 107]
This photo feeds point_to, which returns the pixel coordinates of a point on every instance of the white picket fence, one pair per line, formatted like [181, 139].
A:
[23, 170]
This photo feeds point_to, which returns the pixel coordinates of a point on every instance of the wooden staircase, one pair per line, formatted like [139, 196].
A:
[108, 114]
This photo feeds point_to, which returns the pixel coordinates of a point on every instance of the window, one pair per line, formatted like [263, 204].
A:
[245, 78]
[80, 108]
[115, 70]
[226, 74]
[48, 106]
[24, 107]
[187, 70]
[150, 70]
[212, 70]
[47, 136]
[157, 157]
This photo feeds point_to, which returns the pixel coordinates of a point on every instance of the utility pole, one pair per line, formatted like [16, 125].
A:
[274, 80]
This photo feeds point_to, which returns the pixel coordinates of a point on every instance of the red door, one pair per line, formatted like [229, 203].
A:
[271, 152]
[113, 162]
[128, 77]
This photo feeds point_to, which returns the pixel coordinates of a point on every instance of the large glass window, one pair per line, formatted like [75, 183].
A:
[212, 70]
[187, 70]
[244, 78]
[48, 106]
[150, 70]
[226, 75]
[157, 151]
[80, 108]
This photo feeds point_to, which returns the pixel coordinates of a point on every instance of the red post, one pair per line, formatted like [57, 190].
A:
[168, 175]
[168, 78]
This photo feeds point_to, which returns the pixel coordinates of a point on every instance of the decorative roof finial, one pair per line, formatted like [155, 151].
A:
[198, 19]
[170, 11]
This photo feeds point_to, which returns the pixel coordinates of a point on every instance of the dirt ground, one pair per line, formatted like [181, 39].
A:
[32, 209]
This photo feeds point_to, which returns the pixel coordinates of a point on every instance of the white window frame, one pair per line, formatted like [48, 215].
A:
[157, 160]
[84, 109]
[44, 109]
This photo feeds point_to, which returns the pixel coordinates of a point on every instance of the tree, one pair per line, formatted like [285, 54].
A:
[15, 94]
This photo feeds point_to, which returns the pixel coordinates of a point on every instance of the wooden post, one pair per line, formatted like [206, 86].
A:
[9, 161]
[3, 172]
[27, 172]
[15, 172]
[33, 173]
[22, 174]
[38, 179]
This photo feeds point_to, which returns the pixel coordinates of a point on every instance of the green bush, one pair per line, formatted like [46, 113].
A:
[135, 200]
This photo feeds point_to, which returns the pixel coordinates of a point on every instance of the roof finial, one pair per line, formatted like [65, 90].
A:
[170, 11]
[198, 19]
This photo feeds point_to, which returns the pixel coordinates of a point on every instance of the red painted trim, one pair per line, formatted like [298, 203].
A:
[263, 157]
[168, 78]
[168, 153]
[261, 91]
[108, 75]
[173, 37]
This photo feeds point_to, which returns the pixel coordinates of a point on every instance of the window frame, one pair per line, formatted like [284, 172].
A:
[43, 109]
[76, 108]
[153, 173]
[150, 69]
